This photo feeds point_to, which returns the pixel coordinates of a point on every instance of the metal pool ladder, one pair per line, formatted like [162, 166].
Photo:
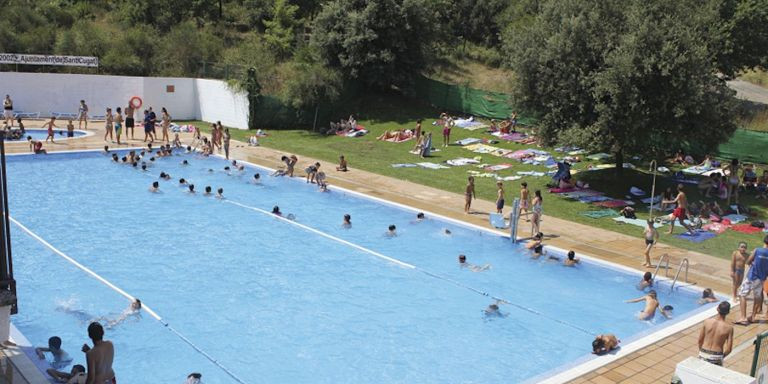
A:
[665, 259]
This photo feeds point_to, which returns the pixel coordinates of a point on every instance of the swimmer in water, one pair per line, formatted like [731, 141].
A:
[447, 232]
[536, 246]
[155, 187]
[238, 166]
[276, 211]
[646, 282]
[493, 310]
[651, 305]
[472, 267]
[347, 221]
[256, 179]
[572, 260]
[184, 162]
[604, 343]
[165, 176]
[707, 296]
[115, 158]
[182, 182]
[133, 310]
[220, 193]
[191, 189]
[207, 190]
[392, 231]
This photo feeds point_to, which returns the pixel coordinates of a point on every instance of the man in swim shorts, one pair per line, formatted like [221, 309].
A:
[651, 304]
[753, 284]
[681, 212]
[99, 358]
[716, 336]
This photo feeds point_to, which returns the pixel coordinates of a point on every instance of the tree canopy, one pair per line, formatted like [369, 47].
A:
[624, 76]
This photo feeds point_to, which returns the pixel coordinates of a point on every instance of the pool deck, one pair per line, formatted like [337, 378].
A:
[655, 363]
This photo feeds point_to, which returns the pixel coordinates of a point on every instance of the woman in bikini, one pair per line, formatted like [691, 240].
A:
[536, 216]
[733, 181]
[165, 124]
[738, 260]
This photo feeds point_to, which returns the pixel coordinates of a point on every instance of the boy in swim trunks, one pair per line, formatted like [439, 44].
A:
[99, 358]
[524, 201]
[651, 237]
[36, 146]
[469, 193]
[651, 304]
[681, 212]
[738, 260]
[499, 197]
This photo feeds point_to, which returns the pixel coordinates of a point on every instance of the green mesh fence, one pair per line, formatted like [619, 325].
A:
[747, 146]
[467, 100]
[760, 359]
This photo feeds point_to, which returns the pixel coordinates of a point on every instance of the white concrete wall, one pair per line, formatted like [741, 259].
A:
[200, 99]
[216, 101]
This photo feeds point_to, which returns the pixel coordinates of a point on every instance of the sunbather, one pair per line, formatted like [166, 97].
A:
[762, 186]
[396, 136]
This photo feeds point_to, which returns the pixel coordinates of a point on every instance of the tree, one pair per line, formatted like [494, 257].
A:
[628, 77]
[381, 43]
[280, 32]
[742, 35]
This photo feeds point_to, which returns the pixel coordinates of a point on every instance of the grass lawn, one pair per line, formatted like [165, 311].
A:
[388, 113]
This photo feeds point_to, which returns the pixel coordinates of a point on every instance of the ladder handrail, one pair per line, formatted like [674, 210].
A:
[679, 269]
[658, 265]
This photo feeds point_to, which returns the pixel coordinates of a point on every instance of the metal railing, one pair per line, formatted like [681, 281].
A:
[677, 275]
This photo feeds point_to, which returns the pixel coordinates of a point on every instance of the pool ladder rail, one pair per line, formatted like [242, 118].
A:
[665, 257]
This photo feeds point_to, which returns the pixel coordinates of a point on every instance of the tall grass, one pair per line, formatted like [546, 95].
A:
[756, 76]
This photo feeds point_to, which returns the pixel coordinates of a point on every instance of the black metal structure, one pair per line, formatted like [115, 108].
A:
[7, 282]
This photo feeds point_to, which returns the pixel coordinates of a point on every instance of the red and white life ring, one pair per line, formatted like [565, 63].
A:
[136, 102]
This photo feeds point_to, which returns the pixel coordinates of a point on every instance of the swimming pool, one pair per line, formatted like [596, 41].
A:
[306, 301]
[41, 134]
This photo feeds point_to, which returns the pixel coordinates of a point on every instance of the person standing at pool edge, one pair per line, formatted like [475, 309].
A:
[129, 122]
[8, 110]
[469, 193]
[99, 358]
[227, 137]
[499, 197]
[82, 115]
[118, 124]
[716, 336]
[651, 237]
[536, 216]
[753, 284]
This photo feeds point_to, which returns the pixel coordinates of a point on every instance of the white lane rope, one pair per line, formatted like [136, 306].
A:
[117, 289]
[409, 266]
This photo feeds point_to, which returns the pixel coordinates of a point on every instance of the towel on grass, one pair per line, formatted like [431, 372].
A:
[497, 167]
[697, 236]
[578, 194]
[648, 200]
[715, 227]
[735, 219]
[746, 228]
[638, 222]
[562, 190]
[468, 141]
[599, 214]
[404, 165]
[509, 136]
[594, 198]
[614, 203]
[508, 178]
[461, 161]
[598, 156]
[531, 173]
[431, 165]
[696, 170]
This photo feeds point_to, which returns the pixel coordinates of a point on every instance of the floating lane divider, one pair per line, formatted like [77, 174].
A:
[409, 266]
[117, 289]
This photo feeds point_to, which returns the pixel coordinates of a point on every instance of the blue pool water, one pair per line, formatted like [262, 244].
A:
[274, 302]
[41, 134]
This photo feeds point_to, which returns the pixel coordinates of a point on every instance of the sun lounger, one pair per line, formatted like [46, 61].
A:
[64, 115]
[26, 115]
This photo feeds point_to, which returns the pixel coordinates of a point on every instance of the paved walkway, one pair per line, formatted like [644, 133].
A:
[748, 91]
[650, 364]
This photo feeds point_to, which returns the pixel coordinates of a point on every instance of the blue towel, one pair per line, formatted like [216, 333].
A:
[594, 199]
[697, 237]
